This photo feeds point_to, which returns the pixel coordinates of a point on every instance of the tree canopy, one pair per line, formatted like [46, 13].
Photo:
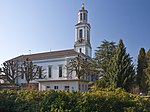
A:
[117, 67]
[122, 68]
[103, 55]
[141, 67]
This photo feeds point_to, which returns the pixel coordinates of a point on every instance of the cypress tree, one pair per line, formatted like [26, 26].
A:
[121, 70]
[141, 76]
[148, 71]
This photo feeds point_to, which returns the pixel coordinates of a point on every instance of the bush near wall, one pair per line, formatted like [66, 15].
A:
[62, 101]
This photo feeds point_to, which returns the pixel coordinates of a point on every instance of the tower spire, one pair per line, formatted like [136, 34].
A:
[83, 5]
[82, 33]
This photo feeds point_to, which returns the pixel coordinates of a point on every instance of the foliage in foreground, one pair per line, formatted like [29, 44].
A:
[61, 101]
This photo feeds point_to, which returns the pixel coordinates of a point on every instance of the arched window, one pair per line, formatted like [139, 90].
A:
[81, 16]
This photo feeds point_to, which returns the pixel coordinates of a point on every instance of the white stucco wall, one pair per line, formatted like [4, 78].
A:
[54, 63]
[89, 51]
[73, 85]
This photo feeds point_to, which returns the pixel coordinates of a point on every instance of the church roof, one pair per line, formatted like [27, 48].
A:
[46, 55]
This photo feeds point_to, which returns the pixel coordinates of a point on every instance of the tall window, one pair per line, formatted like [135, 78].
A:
[22, 76]
[88, 35]
[40, 72]
[50, 71]
[84, 17]
[79, 87]
[86, 88]
[60, 71]
[82, 87]
[92, 77]
[81, 16]
[80, 33]
[80, 50]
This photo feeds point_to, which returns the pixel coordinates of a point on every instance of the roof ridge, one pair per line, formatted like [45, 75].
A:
[47, 52]
[46, 55]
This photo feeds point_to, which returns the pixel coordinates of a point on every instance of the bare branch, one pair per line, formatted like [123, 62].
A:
[31, 71]
[79, 65]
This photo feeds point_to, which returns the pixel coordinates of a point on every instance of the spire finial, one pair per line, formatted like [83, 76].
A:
[83, 5]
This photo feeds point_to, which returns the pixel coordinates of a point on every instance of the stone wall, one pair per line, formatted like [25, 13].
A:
[30, 86]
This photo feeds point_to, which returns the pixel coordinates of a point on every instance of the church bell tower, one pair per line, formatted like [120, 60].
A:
[82, 33]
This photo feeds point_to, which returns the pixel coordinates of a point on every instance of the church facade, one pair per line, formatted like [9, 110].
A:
[54, 62]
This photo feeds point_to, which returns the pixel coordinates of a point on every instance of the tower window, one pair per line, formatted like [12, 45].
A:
[80, 50]
[88, 35]
[80, 16]
[84, 17]
[80, 33]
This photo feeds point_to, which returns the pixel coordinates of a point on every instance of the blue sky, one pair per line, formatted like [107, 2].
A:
[44, 25]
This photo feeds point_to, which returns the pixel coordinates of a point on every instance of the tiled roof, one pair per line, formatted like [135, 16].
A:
[46, 55]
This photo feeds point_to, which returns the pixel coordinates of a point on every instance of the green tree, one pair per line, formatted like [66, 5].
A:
[121, 69]
[103, 56]
[142, 65]
[31, 71]
[10, 71]
[147, 71]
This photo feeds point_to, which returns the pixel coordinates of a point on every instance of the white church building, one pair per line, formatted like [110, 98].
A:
[54, 62]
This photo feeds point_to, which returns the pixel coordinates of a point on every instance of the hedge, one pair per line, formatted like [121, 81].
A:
[63, 101]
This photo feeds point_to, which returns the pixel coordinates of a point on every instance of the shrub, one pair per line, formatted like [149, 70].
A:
[105, 100]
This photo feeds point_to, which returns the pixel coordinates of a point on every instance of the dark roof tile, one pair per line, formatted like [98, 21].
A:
[46, 55]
